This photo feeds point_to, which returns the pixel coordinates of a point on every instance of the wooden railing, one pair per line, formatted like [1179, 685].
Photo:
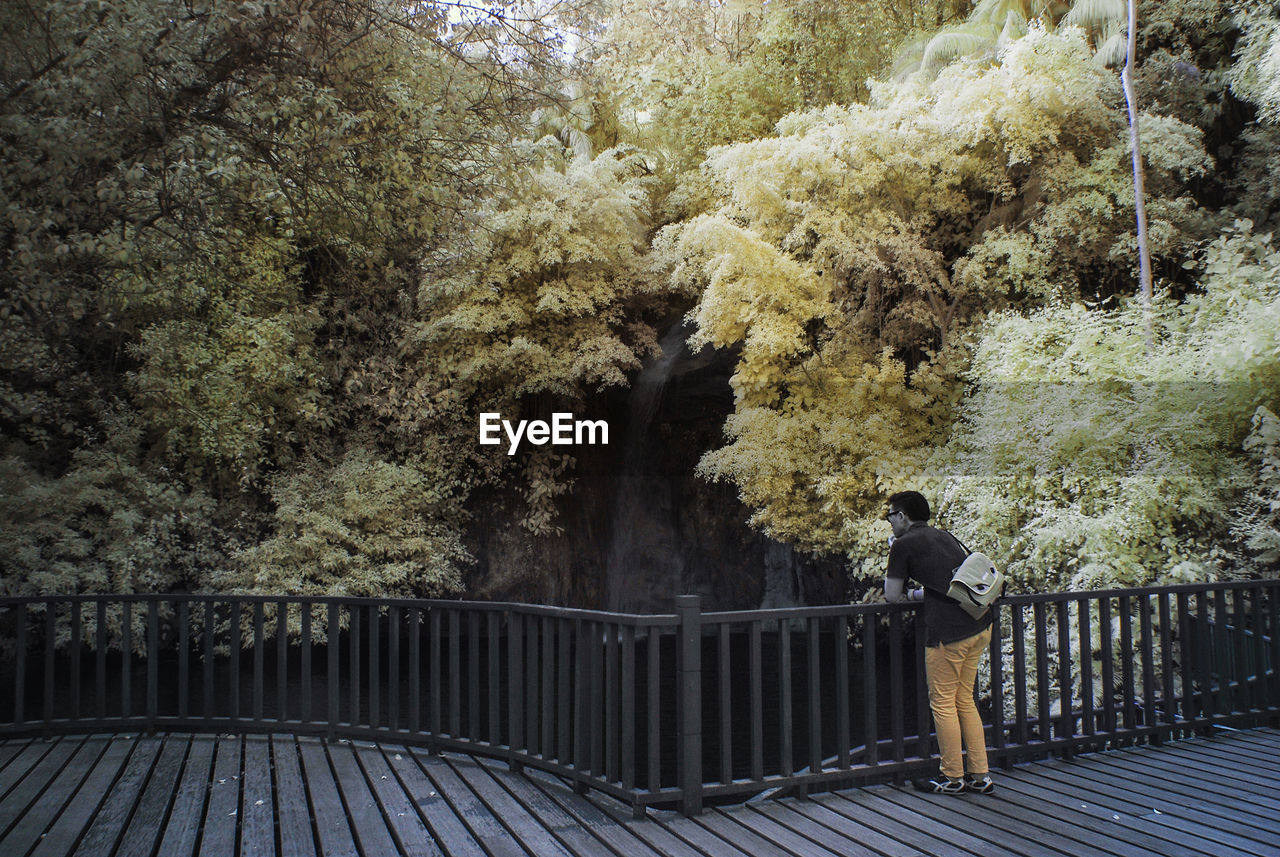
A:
[674, 709]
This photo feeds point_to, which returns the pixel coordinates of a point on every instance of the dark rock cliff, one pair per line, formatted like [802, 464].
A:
[639, 526]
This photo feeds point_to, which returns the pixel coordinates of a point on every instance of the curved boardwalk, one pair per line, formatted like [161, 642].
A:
[216, 796]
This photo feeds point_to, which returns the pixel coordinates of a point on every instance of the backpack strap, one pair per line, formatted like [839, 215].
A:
[943, 595]
[963, 546]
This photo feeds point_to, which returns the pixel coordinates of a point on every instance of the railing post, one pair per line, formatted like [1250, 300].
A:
[1273, 625]
[689, 611]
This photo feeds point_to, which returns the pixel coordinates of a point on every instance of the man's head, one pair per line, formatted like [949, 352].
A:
[905, 508]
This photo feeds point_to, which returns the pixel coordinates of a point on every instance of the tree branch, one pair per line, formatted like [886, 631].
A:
[1139, 194]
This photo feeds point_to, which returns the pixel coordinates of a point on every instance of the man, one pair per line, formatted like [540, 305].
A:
[954, 642]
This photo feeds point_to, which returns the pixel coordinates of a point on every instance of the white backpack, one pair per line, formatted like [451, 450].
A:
[976, 583]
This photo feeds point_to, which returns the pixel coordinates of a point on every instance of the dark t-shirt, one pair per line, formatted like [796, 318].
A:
[929, 556]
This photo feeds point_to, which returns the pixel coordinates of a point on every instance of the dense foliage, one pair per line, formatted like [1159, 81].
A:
[262, 266]
[858, 246]
[212, 213]
[1122, 459]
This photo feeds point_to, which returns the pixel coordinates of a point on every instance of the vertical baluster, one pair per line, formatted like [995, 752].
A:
[1225, 701]
[564, 693]
[304, 648]
[1273, 633]
[415, 669]
[1244, 699]
[581, 746]
[589, 697]
[1084, 618]
[1067, 720]
[1147, 647]
[924, 713]
[1126, 663]
[393, 667]
[1239, 653]
[1186, 658]
[282, 661]
[724, 703]
[628, 703]
[1169, 702]
[100, 655]
[897, 710]
[236, 648]
[548, 715]
[20, 669]
[1204, 654]
[207, 668]
[50, 652]
[515, 681]
[596, 633]
[474, 731]
[532, 726]
[77, 643]
[355, 640]
[259, 624]
[1106, 632]
[1043, 702]
[455, 673]
[689, 703]
[870, 681]
[653, 674]
[1257, 648]
[184, 659]
[996, 655]
[1020, 676]
[435, 658]
[840, 649]
[495, 679]
[333, 637]
[153, 663]
[755, 704]
[375, 666]
[815, 698]
[785, 742]
[126, 659]
[611, 698]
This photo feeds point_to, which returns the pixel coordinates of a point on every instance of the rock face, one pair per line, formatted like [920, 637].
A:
[639, 527]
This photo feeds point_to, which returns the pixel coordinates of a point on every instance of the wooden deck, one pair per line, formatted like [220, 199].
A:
[215, 796]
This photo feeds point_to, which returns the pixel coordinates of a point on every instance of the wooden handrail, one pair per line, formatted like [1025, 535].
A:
[674, 709]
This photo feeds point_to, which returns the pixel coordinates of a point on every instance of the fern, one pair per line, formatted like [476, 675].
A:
[1097, 16]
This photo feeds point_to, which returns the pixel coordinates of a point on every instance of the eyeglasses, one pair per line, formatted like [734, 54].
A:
[897, 512]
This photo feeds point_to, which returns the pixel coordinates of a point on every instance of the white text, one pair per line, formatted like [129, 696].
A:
[562, 430]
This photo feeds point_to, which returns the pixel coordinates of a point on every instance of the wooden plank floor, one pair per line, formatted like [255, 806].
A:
[218, 796]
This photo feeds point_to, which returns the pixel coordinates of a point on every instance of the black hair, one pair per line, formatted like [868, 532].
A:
[912, 503]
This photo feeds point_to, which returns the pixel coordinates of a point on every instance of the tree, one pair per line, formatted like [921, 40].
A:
[1255, 77]
[688, 75]
[211, 210]
[1256, 74]
[1258, 526]
[853, 251]
[363, 526]
[1135, 146]
[1086, 457]
[545, 301]
[105, 525]
[197, 185]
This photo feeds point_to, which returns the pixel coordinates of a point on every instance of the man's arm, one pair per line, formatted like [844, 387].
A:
[893, 591]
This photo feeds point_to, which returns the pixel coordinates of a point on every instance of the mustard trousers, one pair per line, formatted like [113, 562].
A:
[950, 670]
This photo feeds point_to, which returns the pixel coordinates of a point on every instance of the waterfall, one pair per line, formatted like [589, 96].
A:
[642, 538]
[781, 583]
